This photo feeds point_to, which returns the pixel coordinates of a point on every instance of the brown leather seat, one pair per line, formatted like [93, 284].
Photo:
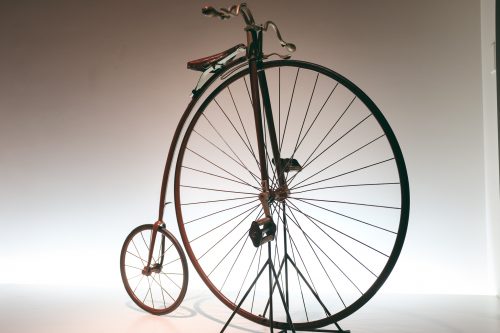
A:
[204, 63]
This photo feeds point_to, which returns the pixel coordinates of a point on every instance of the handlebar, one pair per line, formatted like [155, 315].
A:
[226, 13]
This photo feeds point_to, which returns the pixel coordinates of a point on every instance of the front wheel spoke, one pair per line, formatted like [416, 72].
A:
[346, 203]
[311, 289]
[273, 169]
[335, 142]
[224, 140]
[305, 116]
[276, 237]
[255, 289]
[234, 262]
[343, 174]
[220, 211]
[289, 108]
[310, 218]
[227, 254]
[337, 161]
[218, 167]
[216, 189]
[346, 185]
[241, 121]
[230, 231]
[219, 200]
[317, 115]
[303, 122]
[295, 221]
[298, 279]
[300, 257]
[319, 260]
[338, 244]
[239, 162]
[347, 216]
[276, 282]
[245, 278]
[234, 127]
[219, 176]
[329, 131]
[223, 223]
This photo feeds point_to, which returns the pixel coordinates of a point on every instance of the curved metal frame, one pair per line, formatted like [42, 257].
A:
[179, 130]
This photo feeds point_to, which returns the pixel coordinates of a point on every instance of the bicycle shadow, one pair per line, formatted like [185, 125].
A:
[198, 305]
[181, 312]
[201, 306]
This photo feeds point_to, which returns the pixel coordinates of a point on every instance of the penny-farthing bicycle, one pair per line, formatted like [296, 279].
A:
[291, 192]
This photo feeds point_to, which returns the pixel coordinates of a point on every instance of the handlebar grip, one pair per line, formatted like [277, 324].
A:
[212, 12]
[290, 47]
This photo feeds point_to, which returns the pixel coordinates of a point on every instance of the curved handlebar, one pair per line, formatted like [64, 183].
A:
[289, 46]
[226, 13]
[212, 12]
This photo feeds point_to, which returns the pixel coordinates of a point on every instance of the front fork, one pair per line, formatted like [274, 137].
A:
[264, 229]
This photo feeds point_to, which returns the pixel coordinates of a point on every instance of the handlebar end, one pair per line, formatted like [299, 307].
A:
[290, 47]
[212, 12]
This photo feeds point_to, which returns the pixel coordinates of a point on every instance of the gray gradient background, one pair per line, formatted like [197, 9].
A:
[90, 93]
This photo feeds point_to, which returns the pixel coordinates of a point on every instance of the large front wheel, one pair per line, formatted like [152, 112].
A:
[341, 223]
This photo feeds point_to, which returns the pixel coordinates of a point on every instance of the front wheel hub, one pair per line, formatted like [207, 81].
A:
[280, 194]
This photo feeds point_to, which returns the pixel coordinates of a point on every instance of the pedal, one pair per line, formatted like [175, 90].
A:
[262, 231]
[289, 164]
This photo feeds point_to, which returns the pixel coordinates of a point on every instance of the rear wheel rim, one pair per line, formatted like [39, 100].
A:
[162, 290]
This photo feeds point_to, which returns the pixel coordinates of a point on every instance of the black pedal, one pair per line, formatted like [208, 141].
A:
[289, 164]
[262, 231]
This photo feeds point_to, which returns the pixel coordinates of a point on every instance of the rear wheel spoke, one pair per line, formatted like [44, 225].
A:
[145, 285]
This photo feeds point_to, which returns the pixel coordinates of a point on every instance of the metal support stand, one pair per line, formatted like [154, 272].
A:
[338, 330]
[284, 294]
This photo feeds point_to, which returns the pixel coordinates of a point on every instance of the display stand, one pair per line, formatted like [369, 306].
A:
[283, 295]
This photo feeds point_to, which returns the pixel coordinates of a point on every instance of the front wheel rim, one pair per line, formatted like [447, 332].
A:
[296, 204]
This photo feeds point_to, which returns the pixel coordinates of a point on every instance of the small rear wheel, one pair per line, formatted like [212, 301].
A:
[160, 287]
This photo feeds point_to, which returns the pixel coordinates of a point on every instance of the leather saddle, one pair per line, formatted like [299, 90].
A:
[204, 63]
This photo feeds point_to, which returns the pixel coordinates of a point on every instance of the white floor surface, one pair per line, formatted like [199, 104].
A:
[51, 309]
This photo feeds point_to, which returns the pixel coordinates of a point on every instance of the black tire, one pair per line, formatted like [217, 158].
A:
[217, 167]
[162, 291]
